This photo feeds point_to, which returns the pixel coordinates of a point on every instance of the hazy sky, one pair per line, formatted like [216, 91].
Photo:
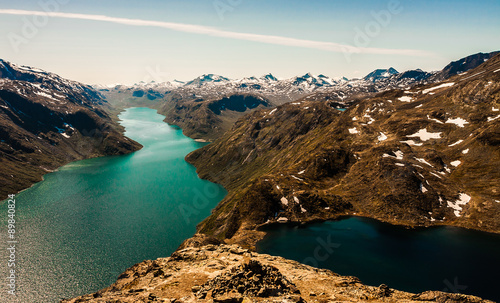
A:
[123, 41]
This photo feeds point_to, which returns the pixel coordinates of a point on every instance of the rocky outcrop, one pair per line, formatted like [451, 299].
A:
[250, 279]
[463, 65]
[232, 274]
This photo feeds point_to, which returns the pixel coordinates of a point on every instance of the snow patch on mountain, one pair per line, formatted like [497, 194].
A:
[426, 91]
[460, 122]
[457, 205]
[424, 135]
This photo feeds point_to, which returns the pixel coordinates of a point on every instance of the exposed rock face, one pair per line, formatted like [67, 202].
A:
[424, 156]
[47, 121]
[251, 279]
[232, 274]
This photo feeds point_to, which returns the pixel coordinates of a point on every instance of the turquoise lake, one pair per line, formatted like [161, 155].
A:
[89, 221]
[439, 258]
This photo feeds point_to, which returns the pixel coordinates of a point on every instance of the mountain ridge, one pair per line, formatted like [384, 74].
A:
[409, 157]
[453, 68]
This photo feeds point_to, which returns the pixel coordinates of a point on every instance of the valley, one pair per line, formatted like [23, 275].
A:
[413, 149]
[197, 106]
[234, 151]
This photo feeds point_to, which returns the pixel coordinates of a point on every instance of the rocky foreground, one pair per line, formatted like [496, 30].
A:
[226, 273]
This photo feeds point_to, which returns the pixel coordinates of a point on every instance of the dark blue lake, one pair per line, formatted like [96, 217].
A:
[440, 258]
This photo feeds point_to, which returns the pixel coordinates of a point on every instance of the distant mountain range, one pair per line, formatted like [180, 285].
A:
[211, 85]
[194, 105]
[279, 91]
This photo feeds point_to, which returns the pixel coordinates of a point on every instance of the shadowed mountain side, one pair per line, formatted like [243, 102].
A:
[47, 121]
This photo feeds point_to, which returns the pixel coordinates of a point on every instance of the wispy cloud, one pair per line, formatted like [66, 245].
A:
[210, 31]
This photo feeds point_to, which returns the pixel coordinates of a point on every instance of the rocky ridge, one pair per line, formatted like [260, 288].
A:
[231, 274]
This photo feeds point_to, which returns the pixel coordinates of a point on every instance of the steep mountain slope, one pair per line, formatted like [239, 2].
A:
[463, 65]
[231, 274]
[47, 121]
[424, 156]
[208, 119]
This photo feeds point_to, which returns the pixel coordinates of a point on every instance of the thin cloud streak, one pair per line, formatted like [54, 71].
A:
[209, 31]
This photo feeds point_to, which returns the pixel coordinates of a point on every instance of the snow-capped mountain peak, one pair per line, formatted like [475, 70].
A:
[207, 78]
[380, 74]
[178, 83]
[269, 77]
[310, 79]
[309, 86]
[29, 79]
